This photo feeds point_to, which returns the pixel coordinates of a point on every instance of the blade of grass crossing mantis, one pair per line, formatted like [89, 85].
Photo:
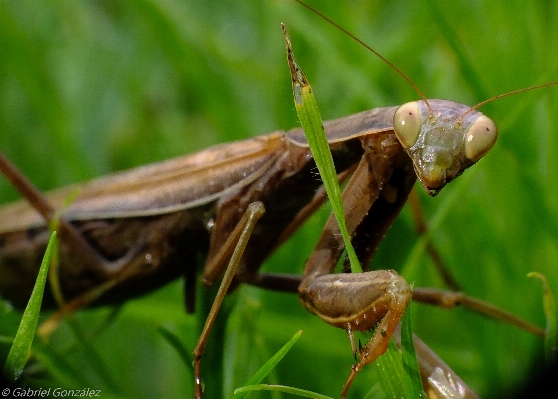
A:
[19, 352]
[311, 121]
[403, 366]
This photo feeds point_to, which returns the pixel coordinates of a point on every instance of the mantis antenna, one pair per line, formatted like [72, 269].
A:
[336, 25]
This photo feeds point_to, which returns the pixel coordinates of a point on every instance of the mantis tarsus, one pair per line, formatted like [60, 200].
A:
[499, 88]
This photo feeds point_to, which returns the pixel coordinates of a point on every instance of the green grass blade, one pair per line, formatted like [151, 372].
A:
[311, 121]
[280, 388]
[95, 360]
[396, 371]
[389, 371]
[551, 330]
[411, 374]
[19, 352]
[389, 364]
[174, 340]
[375, 392]
[268, 366]
[58, 366]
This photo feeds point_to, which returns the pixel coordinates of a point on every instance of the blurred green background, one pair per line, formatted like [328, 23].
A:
[90, 87]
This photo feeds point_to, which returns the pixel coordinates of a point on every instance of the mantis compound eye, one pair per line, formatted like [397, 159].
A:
[406, 124]
[480, 138]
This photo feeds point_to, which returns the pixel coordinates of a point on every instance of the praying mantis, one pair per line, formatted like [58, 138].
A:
[513, 169]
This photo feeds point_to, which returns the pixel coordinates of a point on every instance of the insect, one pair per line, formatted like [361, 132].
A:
[468, 238]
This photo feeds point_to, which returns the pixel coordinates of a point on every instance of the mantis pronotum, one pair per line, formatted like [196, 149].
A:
[517, 169]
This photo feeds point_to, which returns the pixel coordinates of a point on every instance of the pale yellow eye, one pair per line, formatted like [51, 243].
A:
[480, 138]
[406, 124]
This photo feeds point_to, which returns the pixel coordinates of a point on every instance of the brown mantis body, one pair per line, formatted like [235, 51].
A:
[232, 176]
[123, 292]
[149, 224]
[199, 199]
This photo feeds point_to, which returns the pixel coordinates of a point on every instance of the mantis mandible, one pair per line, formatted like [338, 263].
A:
[287, 100]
